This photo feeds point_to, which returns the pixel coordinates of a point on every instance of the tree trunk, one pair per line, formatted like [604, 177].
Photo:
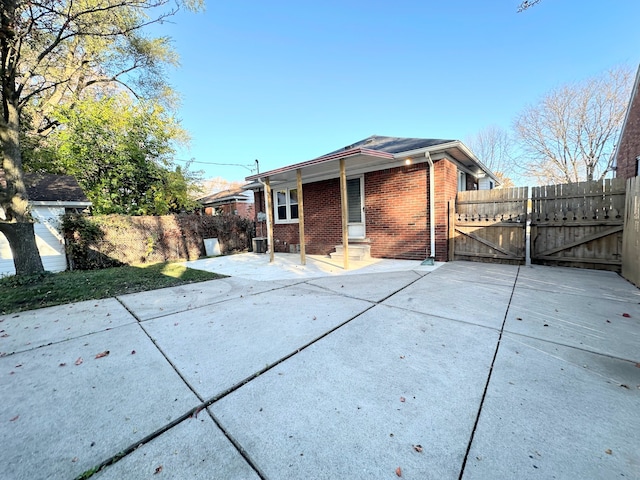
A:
[18, 223]
[22, 241]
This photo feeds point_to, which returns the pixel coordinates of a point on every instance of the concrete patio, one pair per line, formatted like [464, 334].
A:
[391, 370]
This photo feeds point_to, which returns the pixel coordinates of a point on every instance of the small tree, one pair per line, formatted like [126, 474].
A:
[569, 135]
[120, 152]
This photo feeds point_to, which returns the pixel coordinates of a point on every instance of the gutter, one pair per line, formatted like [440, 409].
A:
[58, 203]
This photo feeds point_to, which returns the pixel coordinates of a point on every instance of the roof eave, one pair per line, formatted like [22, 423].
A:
[326, 158]
[443, 147]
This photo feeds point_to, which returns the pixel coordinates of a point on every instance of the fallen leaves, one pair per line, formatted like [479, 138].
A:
[62, 364]
[402, 399]
[399, 472]
[418, 448]
[102, 354]
[626, 315]
[133, 352]
[158, 470]
[608, 451]
[14, 418]
[79, 361]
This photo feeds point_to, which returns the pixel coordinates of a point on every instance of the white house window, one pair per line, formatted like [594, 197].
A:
[462, 181]
[286, 205]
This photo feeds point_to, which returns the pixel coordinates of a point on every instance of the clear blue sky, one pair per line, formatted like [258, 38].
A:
[287, 81]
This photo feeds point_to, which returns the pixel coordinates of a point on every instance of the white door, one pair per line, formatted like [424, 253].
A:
[355, 206]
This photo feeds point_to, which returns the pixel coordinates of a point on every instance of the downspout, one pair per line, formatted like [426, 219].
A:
[432, 208]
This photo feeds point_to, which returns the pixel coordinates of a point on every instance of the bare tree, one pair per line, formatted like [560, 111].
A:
[569, 135]
[52, 50]
[494, 147]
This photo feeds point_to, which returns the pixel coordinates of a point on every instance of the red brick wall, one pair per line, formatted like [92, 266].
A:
[396, 212]
[322, 216]
[446, 189]
[629, 146]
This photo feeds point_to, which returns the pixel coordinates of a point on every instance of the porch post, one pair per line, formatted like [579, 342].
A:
[345, 213]
[268, 205]
[303, 256]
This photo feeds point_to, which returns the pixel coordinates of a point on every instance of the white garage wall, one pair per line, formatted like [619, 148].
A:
[48, 239]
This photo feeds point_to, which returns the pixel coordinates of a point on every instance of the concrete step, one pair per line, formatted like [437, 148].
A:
[357, 251]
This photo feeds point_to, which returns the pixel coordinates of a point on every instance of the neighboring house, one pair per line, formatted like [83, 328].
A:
[397, 192]
[627, 154]
[50, 196]
[236, 201]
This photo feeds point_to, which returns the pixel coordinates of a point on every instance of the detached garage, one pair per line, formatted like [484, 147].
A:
[50, 197]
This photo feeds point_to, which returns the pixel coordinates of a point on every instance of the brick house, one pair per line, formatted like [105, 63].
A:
[396, 189]
[236, 201]
[627, 154]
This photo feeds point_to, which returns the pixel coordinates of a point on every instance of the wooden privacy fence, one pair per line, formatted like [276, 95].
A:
[490, 225]
[631, 235]
[578, 224]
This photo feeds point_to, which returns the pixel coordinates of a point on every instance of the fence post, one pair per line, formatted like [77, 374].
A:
[527, 232]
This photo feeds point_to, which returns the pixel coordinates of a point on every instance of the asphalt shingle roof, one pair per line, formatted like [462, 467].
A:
[393, 144]
[47, 187]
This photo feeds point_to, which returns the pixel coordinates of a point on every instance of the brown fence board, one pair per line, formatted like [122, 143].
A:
[578, 224]
[489, 225]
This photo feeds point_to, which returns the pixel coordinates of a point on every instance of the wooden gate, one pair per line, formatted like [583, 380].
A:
[489, 225]
[578, 224]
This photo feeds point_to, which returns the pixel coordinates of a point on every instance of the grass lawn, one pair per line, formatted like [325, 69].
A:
[27, 293]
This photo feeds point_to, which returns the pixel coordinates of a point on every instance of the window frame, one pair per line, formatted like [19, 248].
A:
[288, 204]
[462, 181]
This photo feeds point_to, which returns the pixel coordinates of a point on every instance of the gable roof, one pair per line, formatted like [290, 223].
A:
[376, 153]
[46, 188]
[225, 196]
